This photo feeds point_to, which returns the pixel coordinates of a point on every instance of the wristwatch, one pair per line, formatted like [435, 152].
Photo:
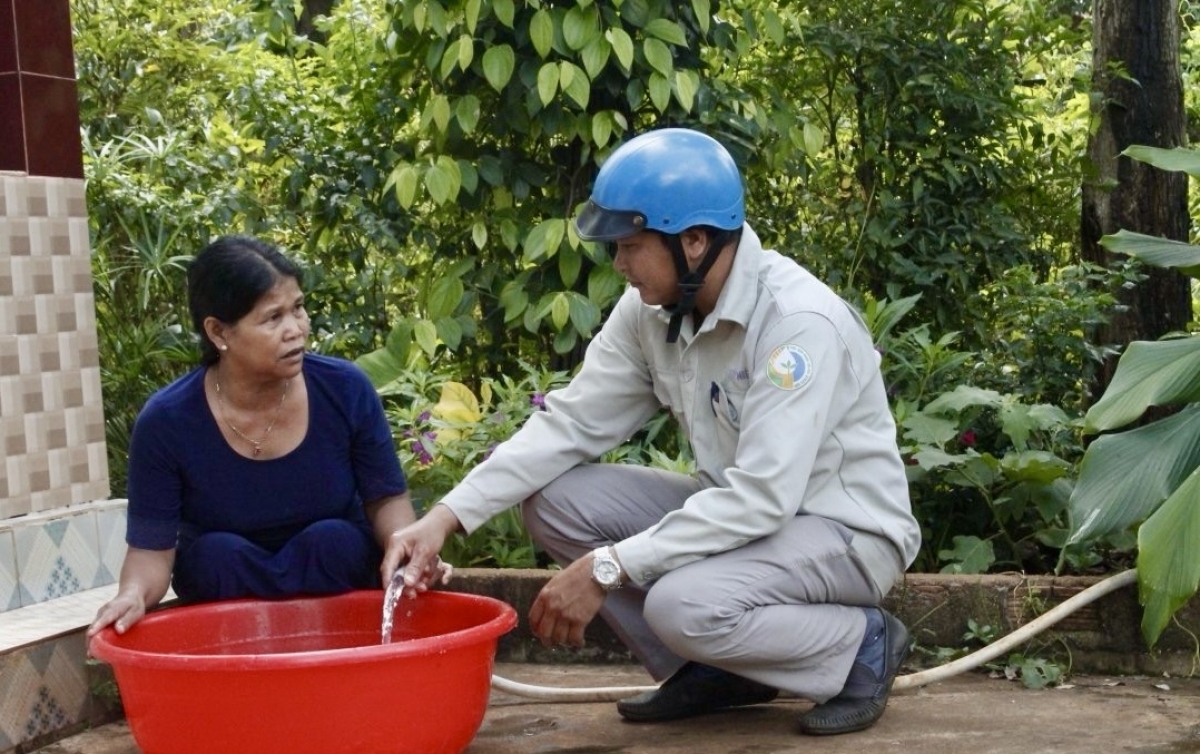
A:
[606, 571]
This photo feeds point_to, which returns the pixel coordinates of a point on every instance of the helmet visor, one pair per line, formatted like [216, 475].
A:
[595, 223]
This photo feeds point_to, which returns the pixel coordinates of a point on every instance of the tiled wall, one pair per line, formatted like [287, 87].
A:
[39, 105]
[44, 689]
[66, 551]
[59, 535]
[51, 414]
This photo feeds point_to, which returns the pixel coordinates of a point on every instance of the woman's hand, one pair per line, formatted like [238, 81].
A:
[121, 612]
[145, 578]
[412, 551]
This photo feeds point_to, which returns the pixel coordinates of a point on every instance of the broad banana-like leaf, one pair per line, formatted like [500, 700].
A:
[1169, 558]
[1125, 477]
[1150, 373]
[1160, 252]
[1176, 159]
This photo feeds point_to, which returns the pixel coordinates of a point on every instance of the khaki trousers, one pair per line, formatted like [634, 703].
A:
[784, 610]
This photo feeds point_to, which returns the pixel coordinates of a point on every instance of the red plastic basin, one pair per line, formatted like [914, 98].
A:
[309, 674]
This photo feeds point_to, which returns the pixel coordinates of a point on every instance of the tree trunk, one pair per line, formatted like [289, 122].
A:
[313, 9]
[1136, 75]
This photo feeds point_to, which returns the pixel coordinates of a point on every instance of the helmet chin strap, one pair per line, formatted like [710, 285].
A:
[690, 281]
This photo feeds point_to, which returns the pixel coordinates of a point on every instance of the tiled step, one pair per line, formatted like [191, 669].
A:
[48, 620]
[46, 679]
[57, 568]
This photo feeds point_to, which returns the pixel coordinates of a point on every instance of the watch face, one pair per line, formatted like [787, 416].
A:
[606, 572]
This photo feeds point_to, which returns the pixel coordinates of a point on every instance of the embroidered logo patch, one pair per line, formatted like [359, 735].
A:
[789, 367]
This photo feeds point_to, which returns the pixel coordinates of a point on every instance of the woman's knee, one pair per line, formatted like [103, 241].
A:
[331, 534]
[328, 556]
[209, 567]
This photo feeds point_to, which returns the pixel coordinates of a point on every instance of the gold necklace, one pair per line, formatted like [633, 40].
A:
[225, 415]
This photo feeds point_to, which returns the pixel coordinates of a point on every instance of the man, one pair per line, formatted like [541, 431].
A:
[763, 572]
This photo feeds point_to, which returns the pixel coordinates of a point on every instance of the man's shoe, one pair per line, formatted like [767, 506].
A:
[862, 700]
[695, 689]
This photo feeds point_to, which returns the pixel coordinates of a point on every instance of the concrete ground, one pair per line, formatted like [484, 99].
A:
[969, 713]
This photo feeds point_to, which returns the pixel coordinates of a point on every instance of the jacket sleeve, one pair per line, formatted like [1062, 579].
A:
[605, 403]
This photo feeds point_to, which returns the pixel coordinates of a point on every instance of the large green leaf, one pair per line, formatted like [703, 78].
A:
[445, 294]
[384, 365]
[498, 63]
[575, 83]
[622, 45]
[925, 428]
[547, 82]
[1160, 252]
[1158, 373]
[658, 55]
[687, 83]
[1036, 466]
[541, 32]
[580, 26]
[969, 555]
[666, 30]
[1177, 159]
[1124, 477]
[961, 397]
[1169, 558]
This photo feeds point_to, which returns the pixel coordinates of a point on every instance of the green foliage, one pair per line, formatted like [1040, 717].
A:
[911, 149]
[494, 255]
[444, 429]
[1034, 672]
[421, 160]
[989, 479]
[993, 434]
[1148, 476]
[1040, 331]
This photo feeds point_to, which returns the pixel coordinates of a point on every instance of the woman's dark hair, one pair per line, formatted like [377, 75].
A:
[226, 280]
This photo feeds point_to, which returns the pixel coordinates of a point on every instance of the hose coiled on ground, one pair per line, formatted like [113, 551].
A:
[914, 680]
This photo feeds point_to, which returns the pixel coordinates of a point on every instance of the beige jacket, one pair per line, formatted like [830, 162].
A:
[779, 394]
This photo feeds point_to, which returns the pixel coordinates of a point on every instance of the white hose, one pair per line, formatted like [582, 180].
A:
[912, 681]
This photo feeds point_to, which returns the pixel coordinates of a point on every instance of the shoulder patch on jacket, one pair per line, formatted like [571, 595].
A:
[789, 368]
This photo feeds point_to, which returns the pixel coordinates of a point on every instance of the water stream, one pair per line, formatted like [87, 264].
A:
[393, 595]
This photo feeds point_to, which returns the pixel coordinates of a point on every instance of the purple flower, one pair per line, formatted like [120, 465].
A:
[538, 400]
[422, 455]
[424, 417]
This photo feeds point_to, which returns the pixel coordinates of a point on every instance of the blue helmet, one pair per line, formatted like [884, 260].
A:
[667, 180]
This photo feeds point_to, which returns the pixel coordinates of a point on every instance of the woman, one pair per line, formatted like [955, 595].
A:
[266, 472]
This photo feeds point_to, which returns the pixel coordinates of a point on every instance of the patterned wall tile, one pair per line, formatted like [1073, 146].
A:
[9, 595]
[19, 682]
[57, 557]
[42, 689]
[51, 412]
[110, 526]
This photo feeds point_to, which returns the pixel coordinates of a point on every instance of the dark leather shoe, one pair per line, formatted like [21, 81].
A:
[695, 689]
[866, 692]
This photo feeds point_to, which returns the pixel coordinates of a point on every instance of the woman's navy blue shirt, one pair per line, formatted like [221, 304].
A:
[185, 479]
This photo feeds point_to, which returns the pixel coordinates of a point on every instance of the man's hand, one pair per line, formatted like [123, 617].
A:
[414, 550]
[566, 605]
